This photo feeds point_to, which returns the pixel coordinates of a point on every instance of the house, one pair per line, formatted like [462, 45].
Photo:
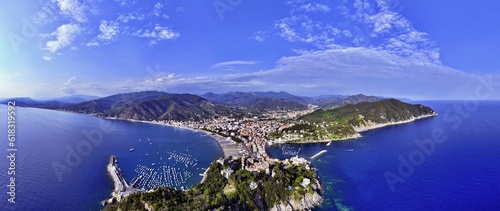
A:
[305, 182]
[253, 185]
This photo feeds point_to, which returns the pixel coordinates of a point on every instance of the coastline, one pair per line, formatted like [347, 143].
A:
[228, 146]
[375, 126]
[361, 129]
[355, 136]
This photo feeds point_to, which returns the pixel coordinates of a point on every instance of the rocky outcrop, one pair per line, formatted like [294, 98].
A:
[305, 202]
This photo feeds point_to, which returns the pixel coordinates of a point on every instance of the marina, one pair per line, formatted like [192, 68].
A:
[174, 171]
[164, 176]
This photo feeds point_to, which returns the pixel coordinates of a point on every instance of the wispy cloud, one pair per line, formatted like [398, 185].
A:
[230, 65]
[68, 82]
[313, 7]
[260, 36]
[157, 34]
[180, 9]
[64, 34]
[126, 3]
[67, 88]
[73, 9]
[301, 28]
[125, 18]
[109, 31]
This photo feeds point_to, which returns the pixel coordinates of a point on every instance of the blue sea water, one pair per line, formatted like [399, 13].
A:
[461, 173]
[48, 138]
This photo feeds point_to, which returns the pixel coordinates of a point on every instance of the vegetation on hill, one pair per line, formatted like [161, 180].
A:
[233, 193]
[153, 105]
[341, 122]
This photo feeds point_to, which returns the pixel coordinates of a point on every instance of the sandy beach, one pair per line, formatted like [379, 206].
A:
[228, 146]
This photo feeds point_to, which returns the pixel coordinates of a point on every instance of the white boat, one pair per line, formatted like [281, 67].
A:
[131, 149]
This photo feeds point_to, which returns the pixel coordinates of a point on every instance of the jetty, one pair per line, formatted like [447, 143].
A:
[318, 154]
[204, 175]
[122, 189]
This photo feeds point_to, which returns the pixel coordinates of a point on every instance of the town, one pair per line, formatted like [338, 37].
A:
[251, 135]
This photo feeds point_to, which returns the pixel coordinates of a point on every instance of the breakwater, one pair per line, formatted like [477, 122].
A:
[318, 154]
[122, 189]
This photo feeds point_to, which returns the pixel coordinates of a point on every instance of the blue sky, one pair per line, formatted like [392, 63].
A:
[419, 49]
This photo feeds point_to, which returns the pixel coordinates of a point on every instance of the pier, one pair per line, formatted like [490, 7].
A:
[318, 154]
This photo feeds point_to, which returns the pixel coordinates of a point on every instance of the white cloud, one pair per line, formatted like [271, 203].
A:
[347, 33]
[109, 30]
[360, 70]
[180, 9]
[260, 36]
[68, 82]
[157, 9]
[124, 3]
[68, 86]
[157, 34]
[65, 34]
[301, 28]
[125, 18]
[47, 57]
[232, 64]
[314, 7]
[73, 9]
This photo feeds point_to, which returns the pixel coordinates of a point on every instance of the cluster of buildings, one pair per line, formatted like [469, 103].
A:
[253, 133]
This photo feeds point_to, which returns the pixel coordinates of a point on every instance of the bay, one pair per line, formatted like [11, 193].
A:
[461, 173]
[47, 139]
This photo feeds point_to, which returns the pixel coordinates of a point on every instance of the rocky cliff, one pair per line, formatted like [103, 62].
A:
[304, 202]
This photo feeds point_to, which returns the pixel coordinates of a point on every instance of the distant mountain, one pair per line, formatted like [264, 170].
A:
[338, 101]
[28, 102]
[77, 98]
[275, 100]
[152, 105]
[260, 100]
[331, 96]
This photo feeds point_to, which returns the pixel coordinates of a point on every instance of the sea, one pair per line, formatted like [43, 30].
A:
[447, 162]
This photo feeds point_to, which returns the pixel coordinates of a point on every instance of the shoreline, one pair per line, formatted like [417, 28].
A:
[227, 146]
[376, 126]
[361, 129]
[355, 136]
